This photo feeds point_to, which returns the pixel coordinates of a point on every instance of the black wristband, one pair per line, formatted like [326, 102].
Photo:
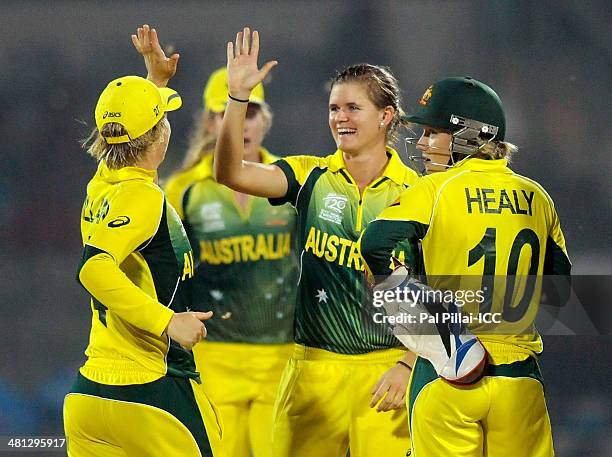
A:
[405, 364]
[237, 99]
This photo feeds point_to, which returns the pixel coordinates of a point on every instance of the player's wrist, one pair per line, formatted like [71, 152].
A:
[238, 99]
[241, 93]
[159, 82]
[404, 364]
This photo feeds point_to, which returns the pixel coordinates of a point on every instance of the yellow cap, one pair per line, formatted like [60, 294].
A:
[136, 103]
[216, 92]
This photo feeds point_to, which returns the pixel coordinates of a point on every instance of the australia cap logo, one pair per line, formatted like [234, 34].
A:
[426, 96]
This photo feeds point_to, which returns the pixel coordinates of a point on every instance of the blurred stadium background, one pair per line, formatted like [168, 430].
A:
[549, 61]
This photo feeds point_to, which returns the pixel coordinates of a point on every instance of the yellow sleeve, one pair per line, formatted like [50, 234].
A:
[556, 284]
[107, 284]
[133, 218]
[405, 221]
[556, 234]
[414, 204]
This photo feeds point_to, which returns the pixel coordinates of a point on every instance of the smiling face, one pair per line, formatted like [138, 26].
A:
[354, 120]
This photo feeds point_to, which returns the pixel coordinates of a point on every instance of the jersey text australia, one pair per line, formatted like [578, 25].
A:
[334, 310]
[246, 261]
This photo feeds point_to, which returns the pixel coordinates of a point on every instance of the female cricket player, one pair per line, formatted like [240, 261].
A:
[139, 392]
[343, 363]
[246, 274]
[483, 228]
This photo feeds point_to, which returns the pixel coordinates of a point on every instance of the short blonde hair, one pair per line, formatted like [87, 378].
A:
[492, 150]
[121, 155]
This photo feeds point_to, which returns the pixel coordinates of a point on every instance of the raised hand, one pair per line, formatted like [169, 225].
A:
[159, 67]
[242, 71]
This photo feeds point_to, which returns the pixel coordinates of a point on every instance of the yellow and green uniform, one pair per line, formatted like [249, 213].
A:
[336, 336]
[247, 260]
[333, 311]
[482, 227]
[137, 265]
[246, 272]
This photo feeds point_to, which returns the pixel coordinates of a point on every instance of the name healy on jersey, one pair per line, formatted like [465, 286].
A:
[499, 201]
[246, 248]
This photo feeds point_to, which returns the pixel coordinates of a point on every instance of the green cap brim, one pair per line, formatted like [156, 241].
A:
[412, 118]
[416, 119]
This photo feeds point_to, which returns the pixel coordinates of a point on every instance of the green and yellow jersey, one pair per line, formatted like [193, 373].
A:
[483, 228]
[137, 265]
[333, 309]
[178, 183]
[245, 259]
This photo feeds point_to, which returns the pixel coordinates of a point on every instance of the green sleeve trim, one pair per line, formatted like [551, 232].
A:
[88, 252]
[293, 186]
[556, 285]
[193, 240]
[185, 201]
[556, 261]
[380, 239]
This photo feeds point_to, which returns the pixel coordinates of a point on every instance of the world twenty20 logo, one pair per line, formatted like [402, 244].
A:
[334, 206]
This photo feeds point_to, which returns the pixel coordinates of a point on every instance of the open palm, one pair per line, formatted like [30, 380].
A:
[242, 71]
[159, 67]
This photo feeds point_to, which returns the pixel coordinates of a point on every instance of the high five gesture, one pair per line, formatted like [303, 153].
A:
[159, 67]
[230, 168]
[242, 71]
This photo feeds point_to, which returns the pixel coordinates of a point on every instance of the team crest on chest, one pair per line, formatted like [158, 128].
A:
[333, 207]
[212, 217]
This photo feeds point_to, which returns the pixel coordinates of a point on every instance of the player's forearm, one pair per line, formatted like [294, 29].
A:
[105, 281]
[230, 146]
[251, 178]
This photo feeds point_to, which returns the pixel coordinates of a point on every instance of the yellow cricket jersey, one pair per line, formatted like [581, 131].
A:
[179, 182]
[136, 265]
[333, 310]
[246, 266]
[483, 228]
